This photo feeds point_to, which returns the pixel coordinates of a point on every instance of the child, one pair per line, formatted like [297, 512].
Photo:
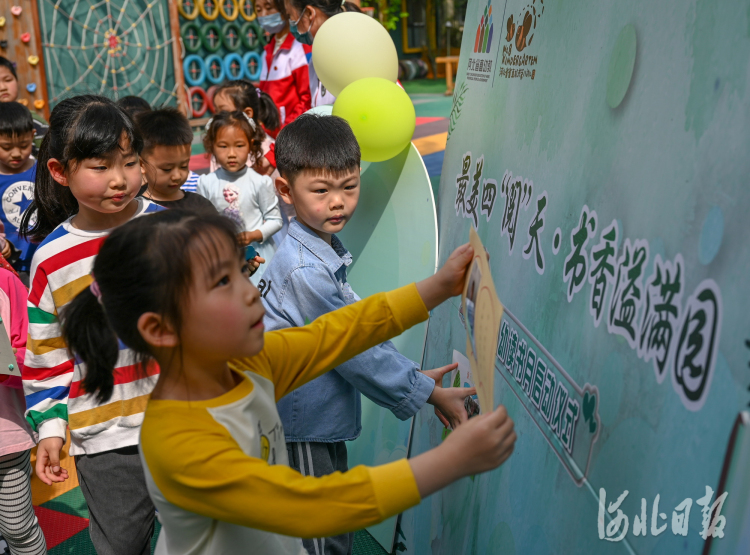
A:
[133, 106]
[319, 159]
[174, 287]
[311, 14]
[241, 95]
[86, 185]
[236, 190]
[9, 93]
[167, 139]
[18, 523]
[284, 75]
[17, 169]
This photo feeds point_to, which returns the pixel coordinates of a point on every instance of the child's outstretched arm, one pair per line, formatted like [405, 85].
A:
[294, 356]
[198, 466]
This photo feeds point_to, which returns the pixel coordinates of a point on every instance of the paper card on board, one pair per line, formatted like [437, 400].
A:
[483, 312]
[8, 363]
[462, 377]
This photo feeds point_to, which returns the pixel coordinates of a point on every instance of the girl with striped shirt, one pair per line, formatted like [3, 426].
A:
[86, 184]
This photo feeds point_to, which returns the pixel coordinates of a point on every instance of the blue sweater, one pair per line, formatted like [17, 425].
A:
[306, 279]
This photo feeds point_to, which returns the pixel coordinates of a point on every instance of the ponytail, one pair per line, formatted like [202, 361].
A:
[245, 95]
[89, 336]
[80, 127]
[268, 113]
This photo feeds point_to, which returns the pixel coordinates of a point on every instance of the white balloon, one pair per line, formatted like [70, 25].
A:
[351, 46]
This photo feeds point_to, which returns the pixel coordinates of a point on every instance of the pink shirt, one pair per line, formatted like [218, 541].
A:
[15, 433]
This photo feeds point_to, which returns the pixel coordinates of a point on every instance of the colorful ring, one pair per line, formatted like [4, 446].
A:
[228, 59]
[194, 82]
[225, 30]
[210, 76]
[210, 93]
[203, 32]
[188, 15]
[242, 4]
[246, 64]
[195, 28]
[202, 8]
[229, 16]
[200, 92]
[248, 30]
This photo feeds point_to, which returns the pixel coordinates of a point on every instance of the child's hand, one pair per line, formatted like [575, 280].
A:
[481, 444]
[263, 166]
[255, 263]
[448, 402]
[6, 252]
[247, 237]
[48, 468]
[449, 280]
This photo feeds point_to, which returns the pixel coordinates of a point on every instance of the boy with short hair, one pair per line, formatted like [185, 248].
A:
[17, 172]
[318, 158]
[167, 140]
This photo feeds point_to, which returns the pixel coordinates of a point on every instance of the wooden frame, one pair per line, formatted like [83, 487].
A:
[179, 77]
[18, 51]
[405, 33]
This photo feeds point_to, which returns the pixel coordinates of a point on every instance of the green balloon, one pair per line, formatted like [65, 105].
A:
[381, 115]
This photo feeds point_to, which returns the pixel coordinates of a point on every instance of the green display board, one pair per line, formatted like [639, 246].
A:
[602, 151]
[393, 240]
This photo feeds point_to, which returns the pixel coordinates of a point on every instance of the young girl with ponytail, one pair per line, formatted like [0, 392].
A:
[243, 96]
[174, 287]
[87, 179]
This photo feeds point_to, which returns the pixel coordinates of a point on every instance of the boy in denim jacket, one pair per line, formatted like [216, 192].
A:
[318, 158]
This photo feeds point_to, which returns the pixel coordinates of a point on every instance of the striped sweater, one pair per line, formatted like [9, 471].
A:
[60, 270]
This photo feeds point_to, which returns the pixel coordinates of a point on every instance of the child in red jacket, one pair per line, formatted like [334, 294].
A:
[284, 75]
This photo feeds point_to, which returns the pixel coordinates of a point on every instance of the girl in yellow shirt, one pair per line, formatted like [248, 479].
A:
[174, 287]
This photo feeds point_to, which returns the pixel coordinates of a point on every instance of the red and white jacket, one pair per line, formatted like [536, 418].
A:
[285, 78]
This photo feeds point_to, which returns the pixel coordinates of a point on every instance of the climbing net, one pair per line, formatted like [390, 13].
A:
[111, 47]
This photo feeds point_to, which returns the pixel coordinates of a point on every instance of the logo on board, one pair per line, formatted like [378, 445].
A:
[520, 32]
[483, 41]
[480, 66]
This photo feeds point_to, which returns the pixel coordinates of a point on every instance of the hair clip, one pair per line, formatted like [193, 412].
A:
[208, 123]
[249, 120]
[94, 286]
[260, 94]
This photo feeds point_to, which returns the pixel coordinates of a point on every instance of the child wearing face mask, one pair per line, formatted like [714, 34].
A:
[310, 15]
[284, 74]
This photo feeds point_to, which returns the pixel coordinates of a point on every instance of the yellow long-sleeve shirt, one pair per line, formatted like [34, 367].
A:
[218, 471]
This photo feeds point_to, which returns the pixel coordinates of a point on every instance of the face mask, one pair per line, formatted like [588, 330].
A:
[272, 23]
[304, 38]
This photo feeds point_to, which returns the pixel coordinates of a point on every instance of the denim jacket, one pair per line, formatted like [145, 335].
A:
[306, 279]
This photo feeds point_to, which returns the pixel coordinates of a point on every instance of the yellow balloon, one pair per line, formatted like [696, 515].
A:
[381, 115]
[351, 46]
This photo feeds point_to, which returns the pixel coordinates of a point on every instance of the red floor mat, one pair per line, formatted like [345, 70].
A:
[57, 526]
